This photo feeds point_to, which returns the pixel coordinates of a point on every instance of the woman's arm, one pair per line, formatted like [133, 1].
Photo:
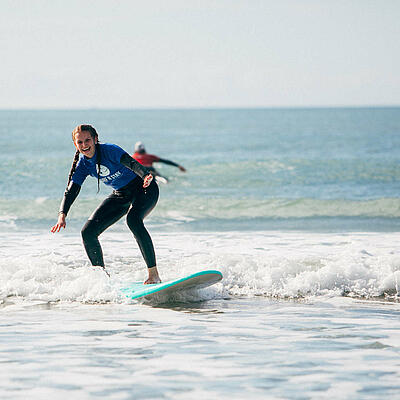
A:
[71, 193]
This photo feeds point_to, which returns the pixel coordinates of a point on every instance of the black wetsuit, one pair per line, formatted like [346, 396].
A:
[132, 199]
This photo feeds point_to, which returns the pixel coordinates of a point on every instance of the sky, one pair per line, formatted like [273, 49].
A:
[198, 53]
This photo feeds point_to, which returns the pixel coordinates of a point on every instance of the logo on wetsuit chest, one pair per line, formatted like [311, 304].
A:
[105, 174]
[104, 171]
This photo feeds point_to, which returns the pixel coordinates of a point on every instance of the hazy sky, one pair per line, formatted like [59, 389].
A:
[205, 53]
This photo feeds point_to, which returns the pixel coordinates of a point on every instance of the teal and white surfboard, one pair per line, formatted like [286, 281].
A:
[198, 280]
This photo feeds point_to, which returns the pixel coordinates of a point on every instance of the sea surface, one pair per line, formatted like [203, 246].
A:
[298, 208]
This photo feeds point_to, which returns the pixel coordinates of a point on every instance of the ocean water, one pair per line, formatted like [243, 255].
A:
[298, 208]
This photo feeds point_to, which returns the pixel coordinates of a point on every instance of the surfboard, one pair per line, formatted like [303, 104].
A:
[197, 280]
[161, 179]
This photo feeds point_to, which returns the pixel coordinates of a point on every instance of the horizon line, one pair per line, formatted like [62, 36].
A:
[172, 108]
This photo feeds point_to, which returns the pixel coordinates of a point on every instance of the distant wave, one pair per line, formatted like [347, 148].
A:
[224, 208]
[194, 208]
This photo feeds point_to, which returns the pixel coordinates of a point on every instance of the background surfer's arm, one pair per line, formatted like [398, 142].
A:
[163, 160]
[71, 193]
[135, 166]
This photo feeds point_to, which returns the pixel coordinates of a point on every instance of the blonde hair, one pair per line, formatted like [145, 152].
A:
[93, 133]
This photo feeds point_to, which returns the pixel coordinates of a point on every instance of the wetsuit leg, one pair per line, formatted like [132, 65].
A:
[106, 214]
[143, 203]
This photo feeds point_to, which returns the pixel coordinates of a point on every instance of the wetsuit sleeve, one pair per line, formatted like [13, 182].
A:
[134, 166]
[71, 193]
[162, 160]
[80, 173]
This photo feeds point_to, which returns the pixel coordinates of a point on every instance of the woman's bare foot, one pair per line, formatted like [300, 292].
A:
[153, 276]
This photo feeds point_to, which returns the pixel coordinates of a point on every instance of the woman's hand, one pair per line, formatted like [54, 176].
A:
[147, 180]
[60, 223]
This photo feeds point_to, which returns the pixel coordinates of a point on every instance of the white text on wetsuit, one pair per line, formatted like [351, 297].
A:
[111, 177]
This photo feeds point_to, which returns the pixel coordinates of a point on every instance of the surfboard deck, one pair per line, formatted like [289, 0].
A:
[197, 280]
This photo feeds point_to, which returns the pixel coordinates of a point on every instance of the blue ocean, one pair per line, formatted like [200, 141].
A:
[299, 208]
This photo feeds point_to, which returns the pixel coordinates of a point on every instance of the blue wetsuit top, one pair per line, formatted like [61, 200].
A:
[112, 172]
[117, 169]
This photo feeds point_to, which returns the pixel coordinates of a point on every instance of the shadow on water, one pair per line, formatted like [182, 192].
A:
[190, 308]
[185, 301]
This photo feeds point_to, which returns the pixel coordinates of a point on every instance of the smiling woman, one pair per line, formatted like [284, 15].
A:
[133, 185]
[85, 142]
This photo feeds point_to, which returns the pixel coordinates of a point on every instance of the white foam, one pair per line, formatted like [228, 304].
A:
[54, 267]
[7, 221]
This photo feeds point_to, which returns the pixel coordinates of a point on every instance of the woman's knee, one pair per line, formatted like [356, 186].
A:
[135, 223]
[89, 231]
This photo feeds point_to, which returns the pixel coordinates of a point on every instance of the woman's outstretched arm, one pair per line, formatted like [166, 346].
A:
[71, 193]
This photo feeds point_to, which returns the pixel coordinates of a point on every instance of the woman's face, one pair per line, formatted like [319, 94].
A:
[85, 144]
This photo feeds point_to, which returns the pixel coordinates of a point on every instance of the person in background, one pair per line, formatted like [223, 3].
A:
[135, 195]
[147, 160]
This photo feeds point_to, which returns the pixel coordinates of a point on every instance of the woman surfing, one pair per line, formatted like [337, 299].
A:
[135, 195]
